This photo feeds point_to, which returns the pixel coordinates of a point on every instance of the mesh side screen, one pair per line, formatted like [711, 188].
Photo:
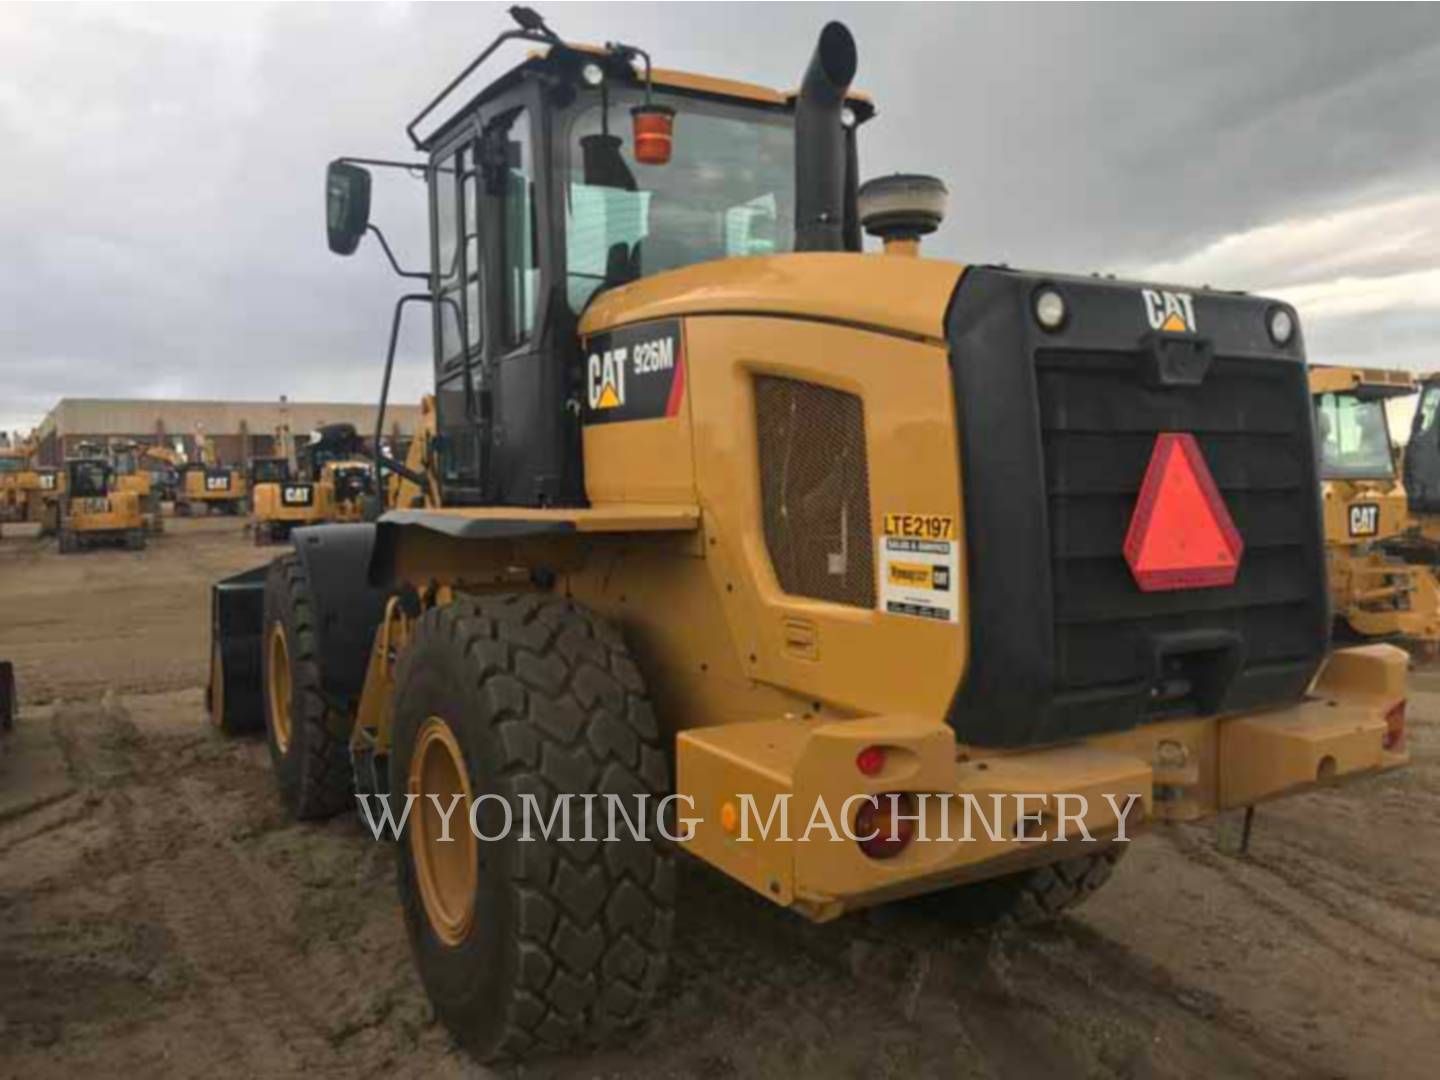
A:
[815, 490]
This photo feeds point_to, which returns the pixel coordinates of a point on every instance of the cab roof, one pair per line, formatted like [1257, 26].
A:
[558, 57]
[1367, 382]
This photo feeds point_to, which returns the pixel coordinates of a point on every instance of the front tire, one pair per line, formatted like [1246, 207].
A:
[308, 740]
[537, 945]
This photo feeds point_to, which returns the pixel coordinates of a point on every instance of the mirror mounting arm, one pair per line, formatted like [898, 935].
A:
[381, 461]
[420, 275]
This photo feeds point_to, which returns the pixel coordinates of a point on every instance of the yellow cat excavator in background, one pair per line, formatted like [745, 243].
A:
[21, 481]
[127, 458]
[207, 484]
[94, 508]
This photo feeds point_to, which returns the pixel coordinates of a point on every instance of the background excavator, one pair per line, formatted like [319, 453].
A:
[94, 508]
[129, 459]
[206, 484]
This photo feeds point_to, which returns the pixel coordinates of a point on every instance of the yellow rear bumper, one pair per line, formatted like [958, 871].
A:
[756, 787]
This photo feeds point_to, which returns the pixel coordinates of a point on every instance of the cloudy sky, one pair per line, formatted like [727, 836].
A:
[161, 168]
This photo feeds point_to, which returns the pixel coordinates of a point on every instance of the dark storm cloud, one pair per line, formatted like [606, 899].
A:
[160, 194]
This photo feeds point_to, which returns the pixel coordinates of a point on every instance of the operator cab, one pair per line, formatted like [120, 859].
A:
[88, 478]
[353, 480]
[328, 445]
[583, 169]
[1422, 453]
[269, 470]
[1352, 433]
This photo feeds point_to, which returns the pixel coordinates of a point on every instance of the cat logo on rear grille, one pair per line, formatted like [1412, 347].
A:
[1170, 312]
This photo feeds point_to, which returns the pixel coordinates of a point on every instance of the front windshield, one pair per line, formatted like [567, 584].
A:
[728, 190]
[1354, 438]
[89, 479]
[271, 471]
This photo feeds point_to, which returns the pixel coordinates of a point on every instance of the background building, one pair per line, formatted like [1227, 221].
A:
[238, 430]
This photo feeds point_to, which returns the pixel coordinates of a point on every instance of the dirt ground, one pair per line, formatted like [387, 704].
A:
[160, 917]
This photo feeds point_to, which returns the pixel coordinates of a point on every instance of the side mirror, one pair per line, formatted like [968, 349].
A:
[347, 206]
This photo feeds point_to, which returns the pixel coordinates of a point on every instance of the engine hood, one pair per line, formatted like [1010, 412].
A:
[886, 293]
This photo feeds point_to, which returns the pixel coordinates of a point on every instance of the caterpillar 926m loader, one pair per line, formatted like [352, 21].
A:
[719, 505]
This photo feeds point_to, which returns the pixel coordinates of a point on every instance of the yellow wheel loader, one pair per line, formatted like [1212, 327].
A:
[327, 484]
[94, 509]
[780, 549]
[1375, 591]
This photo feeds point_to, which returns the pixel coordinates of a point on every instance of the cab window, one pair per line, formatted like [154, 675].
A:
[727, 191]
[456, 262]
[520, 267]
[1354, 438]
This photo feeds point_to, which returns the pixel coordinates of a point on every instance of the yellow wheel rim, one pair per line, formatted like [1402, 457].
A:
[278, 680]
[444, 870]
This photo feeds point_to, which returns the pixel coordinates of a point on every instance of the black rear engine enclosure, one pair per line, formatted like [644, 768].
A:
[1057, 428]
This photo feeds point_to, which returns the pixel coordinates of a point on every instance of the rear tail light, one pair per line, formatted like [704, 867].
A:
[870, 760]
[1395, 729]
[885, 827]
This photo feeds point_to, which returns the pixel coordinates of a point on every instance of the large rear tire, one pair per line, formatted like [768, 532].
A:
[1042, 894]
[537, 945]
[308, 740]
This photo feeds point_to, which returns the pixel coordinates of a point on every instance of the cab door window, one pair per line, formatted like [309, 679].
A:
[520, 268]
[456, 261]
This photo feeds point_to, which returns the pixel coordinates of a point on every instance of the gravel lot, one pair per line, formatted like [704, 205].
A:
[160, 917]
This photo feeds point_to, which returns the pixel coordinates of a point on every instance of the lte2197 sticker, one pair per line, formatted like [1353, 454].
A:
[919, 566]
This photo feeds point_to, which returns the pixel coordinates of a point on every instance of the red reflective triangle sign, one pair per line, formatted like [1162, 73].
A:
[1181, 535]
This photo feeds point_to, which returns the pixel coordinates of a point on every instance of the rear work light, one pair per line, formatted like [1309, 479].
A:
[885, 827]
[1394, 740]
[654, 133]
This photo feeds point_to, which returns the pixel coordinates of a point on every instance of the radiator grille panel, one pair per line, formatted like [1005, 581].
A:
[815, 490]
[1098, 426]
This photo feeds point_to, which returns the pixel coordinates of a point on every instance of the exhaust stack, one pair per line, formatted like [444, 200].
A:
[820, 154]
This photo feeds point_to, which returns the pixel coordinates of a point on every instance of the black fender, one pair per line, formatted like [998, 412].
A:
[237, 615]
[348, 608]
[390, 527]
[7, 695]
